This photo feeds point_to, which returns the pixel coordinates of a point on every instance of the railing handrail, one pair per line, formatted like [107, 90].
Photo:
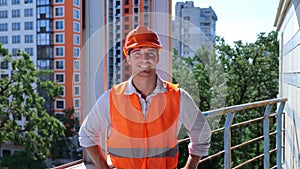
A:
[230, 112]
[235, 108]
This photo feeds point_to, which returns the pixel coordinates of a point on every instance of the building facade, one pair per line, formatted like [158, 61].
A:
[193, 28]
[50, 32]
[287, 22]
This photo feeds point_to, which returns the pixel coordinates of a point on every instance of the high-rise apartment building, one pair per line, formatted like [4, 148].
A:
[50, 32]
[193, 28]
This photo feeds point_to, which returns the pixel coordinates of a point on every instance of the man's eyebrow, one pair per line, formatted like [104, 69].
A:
[134, 50]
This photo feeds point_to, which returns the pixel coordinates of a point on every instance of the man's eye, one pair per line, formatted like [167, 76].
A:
[136, 54]
[151, 54]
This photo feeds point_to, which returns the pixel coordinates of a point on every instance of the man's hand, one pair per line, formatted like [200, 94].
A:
[97, 157]
[192, 162]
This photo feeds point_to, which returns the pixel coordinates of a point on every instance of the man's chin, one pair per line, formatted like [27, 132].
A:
[147, 72]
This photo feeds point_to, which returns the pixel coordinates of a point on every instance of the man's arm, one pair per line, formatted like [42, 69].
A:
[198, 127]
[97, 157]
[192, 162]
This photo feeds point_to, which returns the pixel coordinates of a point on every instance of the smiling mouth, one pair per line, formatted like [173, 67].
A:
[145, 66]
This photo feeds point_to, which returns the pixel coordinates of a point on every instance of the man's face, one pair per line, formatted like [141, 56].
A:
[143, 61]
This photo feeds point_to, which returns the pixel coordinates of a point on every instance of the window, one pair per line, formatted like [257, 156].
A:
[28, 1]
[44, 26]
[15, 13]
[3, 27]
[60, 104]
[15, 51]
[28, 12]
[44, 64]
[15, 2]
[16, 26]
[76, 65]
[59, 11]
[16, 39]
[59, 25]
[77, 103]
[126, 27]
[29, 51]
[28, 25]
[3, 14]
[3, 2]
[44, 39]
[4, 65]
[76, 3]
[62, 92]
[76, 90]
[3, 76]
[76, 27]
[59, 51]
[76, 52]
[126, 2]
[136, 18]
[59, 38]
[76, 14]
[28, 38]
[59, 78]
[136, 10]
[136, 2]
[44, 12]
[76, 40]
[59, 64]
[126, 18]
[4, 39]
[59, 1]
[126, 10]
[76, 78]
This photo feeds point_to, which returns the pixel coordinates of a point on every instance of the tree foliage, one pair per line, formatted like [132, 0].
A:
[20, 102]
[22, 160]
[63, 147]
[231, 75]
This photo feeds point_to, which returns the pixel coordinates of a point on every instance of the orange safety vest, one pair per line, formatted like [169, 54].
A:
[138, 142]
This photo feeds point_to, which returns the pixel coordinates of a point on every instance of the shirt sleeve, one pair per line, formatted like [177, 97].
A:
[96, 122]
[196, 124]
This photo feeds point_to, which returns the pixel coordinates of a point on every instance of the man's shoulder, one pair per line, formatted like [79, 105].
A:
[171, 86]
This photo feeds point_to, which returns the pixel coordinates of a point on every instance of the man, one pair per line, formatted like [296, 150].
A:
[144, 114]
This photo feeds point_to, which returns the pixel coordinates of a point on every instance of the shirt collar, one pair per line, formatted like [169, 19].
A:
[160, 86]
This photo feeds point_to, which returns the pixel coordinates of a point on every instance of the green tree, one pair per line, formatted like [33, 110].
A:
[231, 75]
[22, 160]
[64, 146]
[203, 77]
[251, 71]
[19, 99]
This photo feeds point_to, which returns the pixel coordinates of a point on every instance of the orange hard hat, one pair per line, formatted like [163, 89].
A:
[142, 36]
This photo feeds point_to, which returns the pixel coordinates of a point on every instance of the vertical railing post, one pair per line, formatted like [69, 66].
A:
[266, 137]
[227, 141]
[279, 135]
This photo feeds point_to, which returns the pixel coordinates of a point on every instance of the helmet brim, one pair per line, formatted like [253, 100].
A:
[144, 44]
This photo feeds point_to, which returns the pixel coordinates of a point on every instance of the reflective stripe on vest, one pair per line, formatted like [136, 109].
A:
[142, 153]
[140, 141]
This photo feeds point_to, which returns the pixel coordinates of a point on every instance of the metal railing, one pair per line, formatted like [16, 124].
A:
[228, 148]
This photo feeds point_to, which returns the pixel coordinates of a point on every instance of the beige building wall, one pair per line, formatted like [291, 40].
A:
[288, 26]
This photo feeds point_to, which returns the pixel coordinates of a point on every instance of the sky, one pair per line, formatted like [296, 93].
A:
[240, 19]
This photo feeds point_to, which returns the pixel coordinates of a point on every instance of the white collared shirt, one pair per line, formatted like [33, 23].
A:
[98, 119]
